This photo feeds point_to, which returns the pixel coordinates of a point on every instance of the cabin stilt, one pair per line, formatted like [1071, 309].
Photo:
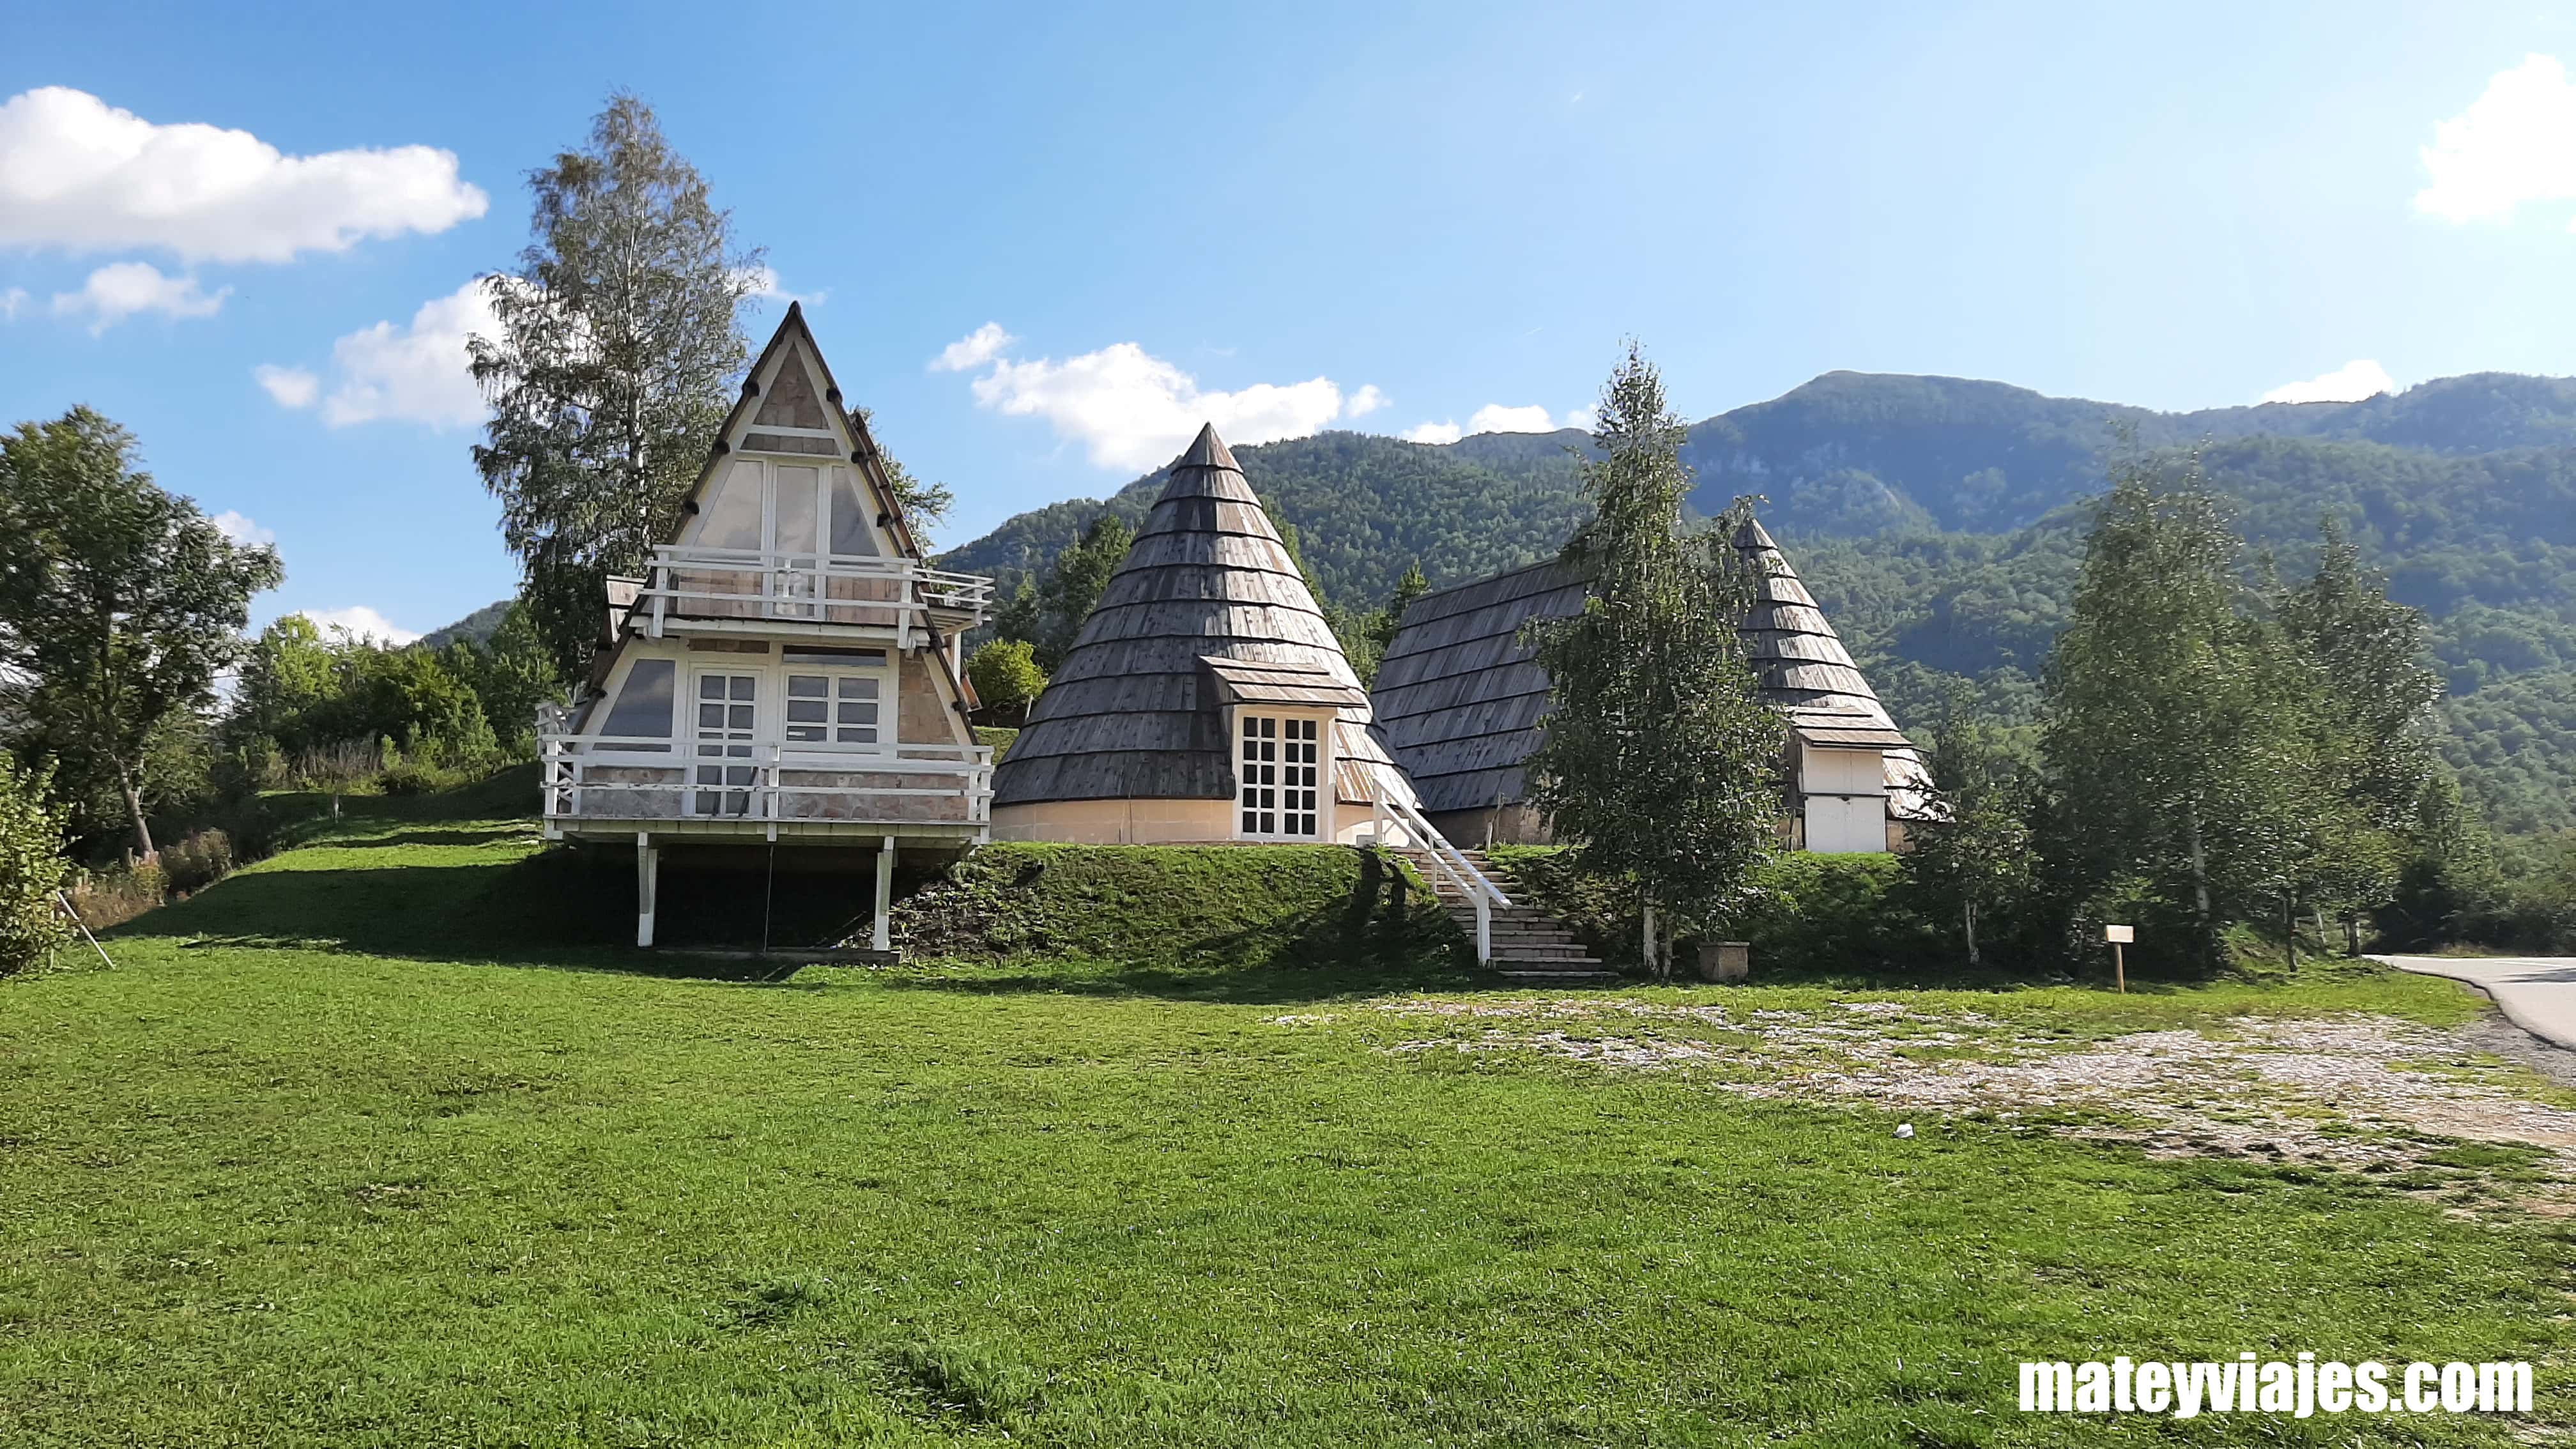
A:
[648, 871]
[883, 937]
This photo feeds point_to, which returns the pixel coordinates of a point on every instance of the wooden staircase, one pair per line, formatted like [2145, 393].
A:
[1529, 944]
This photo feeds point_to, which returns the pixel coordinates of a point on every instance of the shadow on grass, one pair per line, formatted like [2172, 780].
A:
[569, 909]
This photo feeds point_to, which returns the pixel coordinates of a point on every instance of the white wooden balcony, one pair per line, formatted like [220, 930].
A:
[615, 787]
[760, 591]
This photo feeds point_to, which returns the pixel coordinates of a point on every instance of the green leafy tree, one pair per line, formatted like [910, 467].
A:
[511, 675]
[925, 505]
[119, 603]
[1007, 679]
[1974, 855]
[621, 335]
[2175, 729]
[1049, 613]
[1659, 762]
[32, 867]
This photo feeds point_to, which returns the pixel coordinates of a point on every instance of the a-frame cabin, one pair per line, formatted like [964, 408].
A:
[788, 670]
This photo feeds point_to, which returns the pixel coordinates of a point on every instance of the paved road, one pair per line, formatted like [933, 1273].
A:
[2538, 993]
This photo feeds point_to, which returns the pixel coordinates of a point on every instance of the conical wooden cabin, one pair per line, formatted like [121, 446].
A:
[1205, 698]
[1463, 701]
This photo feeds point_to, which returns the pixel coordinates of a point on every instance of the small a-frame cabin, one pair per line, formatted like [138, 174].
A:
[788, 669]
[1205, 699]
[1463, 702]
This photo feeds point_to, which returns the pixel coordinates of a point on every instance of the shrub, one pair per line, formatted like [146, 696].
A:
[410, 779]
[32, 867]
[1812, 912]
[114, 897]
[198, 861]
[1007, 679]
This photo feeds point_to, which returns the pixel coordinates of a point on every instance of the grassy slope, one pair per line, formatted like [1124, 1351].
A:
[429, 1187]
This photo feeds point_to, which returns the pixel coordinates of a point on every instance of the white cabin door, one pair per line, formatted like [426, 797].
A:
[1277, 776]
[728, 714]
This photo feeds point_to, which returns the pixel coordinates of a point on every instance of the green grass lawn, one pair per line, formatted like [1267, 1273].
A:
[363, 1146]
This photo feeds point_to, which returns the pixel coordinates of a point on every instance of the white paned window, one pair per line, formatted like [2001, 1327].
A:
[1276, 775]
[835, 697]
[726, 728]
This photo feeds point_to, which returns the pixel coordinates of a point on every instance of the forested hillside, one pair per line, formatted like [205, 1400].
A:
[1938, 520]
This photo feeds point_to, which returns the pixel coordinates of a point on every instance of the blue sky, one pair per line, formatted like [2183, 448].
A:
[1386, 217]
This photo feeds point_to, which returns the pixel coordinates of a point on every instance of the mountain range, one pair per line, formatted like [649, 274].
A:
[1939, 521]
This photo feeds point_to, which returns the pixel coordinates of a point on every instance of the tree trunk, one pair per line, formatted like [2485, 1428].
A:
[1648, 944]
[2290, 928]
[2199, 867]
[133, 790]
[1968, 916]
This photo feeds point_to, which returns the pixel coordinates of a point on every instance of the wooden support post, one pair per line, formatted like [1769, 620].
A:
[648, 870]
[2120, 967]
[883, 937]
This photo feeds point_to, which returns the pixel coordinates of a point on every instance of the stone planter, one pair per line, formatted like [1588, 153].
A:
[1725, 960]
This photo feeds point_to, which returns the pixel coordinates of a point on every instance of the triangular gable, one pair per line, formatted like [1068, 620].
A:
[790, 386]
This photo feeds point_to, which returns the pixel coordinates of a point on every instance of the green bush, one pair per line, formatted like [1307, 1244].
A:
[1178, 907]
[1813, 913]
[410, 778]
[198, 861]
[32, 867]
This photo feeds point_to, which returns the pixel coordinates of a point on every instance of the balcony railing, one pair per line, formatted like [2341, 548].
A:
[687, 582]
[587, 779]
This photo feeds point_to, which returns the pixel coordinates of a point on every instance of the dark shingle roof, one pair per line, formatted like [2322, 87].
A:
[1461, 698]
[1206, 601]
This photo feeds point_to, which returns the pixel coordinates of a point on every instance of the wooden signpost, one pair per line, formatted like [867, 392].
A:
[2120, 937]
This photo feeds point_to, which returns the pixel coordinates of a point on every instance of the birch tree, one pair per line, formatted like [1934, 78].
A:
[1659, 762]
[620, 341]
[2173, 731]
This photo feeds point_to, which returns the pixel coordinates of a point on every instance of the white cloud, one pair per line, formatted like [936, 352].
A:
[2515, 143]
[1496, 418]
[292, 387]
[78, 173]
[1364, 402]
[1131, 409]
[2355, 380]
[362, 622]
[973, 350]
[10, 302]
[1499, 418]
[412, 374]
[241, 529]
[121, 289]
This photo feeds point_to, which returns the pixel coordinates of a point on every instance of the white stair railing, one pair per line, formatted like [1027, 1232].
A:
[1448, 860]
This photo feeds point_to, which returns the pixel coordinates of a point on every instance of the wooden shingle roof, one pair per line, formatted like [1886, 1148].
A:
[1461, 697]
[1207, 606]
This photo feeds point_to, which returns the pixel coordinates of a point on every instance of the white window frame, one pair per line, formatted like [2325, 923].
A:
[889, 677]
[1322, 720]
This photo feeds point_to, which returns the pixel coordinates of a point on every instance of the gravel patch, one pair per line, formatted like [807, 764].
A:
[2350, 1091]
